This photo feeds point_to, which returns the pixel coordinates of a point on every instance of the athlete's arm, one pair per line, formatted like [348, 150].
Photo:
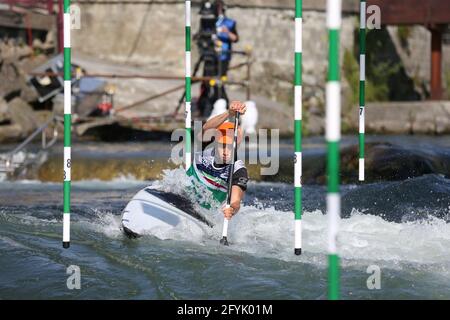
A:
[215, 122]
[240, 180]
[237, 194]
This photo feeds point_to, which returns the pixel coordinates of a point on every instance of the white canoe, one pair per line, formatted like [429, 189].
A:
[155, 212]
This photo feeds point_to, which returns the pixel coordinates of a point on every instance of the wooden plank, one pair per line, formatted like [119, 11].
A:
[395, 12]
[16, 20]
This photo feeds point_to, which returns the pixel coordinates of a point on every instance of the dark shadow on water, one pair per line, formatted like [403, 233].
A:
[117, 133]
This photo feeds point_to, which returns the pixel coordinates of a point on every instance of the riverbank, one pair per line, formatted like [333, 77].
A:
[398, 70]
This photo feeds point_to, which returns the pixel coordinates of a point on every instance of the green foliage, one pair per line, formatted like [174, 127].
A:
[378, 86]
[351, 73]
[404, 33]
[385, 74]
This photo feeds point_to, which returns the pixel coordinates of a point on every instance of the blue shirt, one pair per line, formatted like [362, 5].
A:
[230, 24]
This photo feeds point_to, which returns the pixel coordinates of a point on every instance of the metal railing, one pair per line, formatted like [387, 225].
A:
[172, 115]
[7, 161]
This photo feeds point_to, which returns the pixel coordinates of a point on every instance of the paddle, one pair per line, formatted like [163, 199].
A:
[224, 239]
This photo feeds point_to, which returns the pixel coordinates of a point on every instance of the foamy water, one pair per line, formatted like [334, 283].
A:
[413, 255]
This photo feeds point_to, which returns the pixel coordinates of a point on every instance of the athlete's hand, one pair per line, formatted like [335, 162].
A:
[228, 213]
[237, 106]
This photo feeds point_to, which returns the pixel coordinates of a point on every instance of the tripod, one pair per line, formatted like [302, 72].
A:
[212, 67]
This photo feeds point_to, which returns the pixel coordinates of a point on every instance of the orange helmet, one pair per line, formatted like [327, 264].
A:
[225, 133]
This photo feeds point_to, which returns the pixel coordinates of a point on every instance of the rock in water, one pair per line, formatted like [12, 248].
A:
[28, 94]
[10, 76]
[22, 115]
[4, 114]
[9, 132]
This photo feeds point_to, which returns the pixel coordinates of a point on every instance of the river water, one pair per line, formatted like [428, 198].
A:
[397, 225]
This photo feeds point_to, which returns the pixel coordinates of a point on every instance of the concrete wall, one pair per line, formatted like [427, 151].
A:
[151, 35]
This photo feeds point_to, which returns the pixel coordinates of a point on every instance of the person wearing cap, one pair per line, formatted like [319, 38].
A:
[211, 166]
[227, 35]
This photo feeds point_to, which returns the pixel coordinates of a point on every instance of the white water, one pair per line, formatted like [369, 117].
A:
[363, 238]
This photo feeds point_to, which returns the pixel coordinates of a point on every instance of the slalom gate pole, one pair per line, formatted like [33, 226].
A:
[362, 86]
[224, 239]
[298, 129]
[67, 124]
[333, 135]
[188, 84]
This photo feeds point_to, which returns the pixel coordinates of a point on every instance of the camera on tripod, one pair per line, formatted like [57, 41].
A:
[209, 55]
[206, 38]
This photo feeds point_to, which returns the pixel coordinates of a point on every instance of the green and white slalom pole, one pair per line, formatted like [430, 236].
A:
[188, 84]
[298, 129]
[362, 85]
[67, 124]
[333, 135]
